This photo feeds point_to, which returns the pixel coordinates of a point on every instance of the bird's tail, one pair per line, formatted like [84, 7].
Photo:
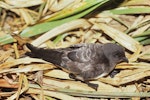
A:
[50, 55]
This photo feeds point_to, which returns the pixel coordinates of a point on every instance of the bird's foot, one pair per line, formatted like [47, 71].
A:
[113, 73]
[92, 85]
[72, 76]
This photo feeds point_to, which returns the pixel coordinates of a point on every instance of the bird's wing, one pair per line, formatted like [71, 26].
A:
[85, 61]
[79, 45]
[76, 58]
[82, 53]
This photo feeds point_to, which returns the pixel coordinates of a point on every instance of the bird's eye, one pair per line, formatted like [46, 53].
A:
[116, 55]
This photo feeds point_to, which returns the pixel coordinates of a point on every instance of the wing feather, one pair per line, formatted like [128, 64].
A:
[82, 53]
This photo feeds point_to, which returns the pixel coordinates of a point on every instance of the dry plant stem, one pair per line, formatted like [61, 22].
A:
[23, 12]
[15, 62]
[105, 94]
[139, 31]
[57, 74]
[117, 81]
[56, 83]
[134, 72]
[52, 94]
[97, 94]
[140, 65]
[48, 4]
[3, 17]
[79, 23]
[135, 23]
[26, 16]
[145, 52]
[16, 50]
[136, 54]
[6, 94]
[56, 6]
[25, 88]
[6, 84]
[23, 3]
[28, 68]
[35, 97]
[120, 37]
[5, 55]
[20, 85]
[71, 84]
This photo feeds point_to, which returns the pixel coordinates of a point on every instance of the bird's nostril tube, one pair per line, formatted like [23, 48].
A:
[124, 60]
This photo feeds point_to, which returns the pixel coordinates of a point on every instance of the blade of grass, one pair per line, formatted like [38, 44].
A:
[146, 33]
[105, 94]
[74, 9]
[7, 39]
[23, 3]
[140, 38]
[57, 74]
[134, 24]
[122, 38]
[130, 10]
[145, 42]
[0, 9]
[15, 62]
[79, 23]
[58, 95]
[25, 88]
[96, 94]
[28, 68]
[41, 8]
[118, 80]
[44, 27]
[140, 24]
[136, 3]
[59, 38]
[6, 84]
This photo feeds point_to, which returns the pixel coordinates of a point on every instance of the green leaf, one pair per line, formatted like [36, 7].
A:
[6, 39]
[44, 27]
[130, 10]
[146, 41]
[140, 38]
[74, 9]
[59, 38]
[146, 33]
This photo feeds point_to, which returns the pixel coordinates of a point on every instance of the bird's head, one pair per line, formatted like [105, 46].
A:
[114, 53]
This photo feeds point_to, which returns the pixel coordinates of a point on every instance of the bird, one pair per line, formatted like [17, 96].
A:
[83, 61]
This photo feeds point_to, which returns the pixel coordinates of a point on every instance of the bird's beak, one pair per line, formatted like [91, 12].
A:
[125, 60]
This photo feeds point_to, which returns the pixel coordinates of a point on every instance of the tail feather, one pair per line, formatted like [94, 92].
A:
[50, 55]
[31, 47]
[33, 50]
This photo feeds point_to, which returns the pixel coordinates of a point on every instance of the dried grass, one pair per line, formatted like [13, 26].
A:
[23, 77]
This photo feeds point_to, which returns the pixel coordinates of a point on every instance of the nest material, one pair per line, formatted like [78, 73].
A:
[24, 77]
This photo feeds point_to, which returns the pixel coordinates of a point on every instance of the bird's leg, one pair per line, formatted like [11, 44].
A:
[92, 85]
[113, 73]
[72, 76]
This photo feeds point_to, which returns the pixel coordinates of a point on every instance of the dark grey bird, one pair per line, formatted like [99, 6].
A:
[84, 62]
